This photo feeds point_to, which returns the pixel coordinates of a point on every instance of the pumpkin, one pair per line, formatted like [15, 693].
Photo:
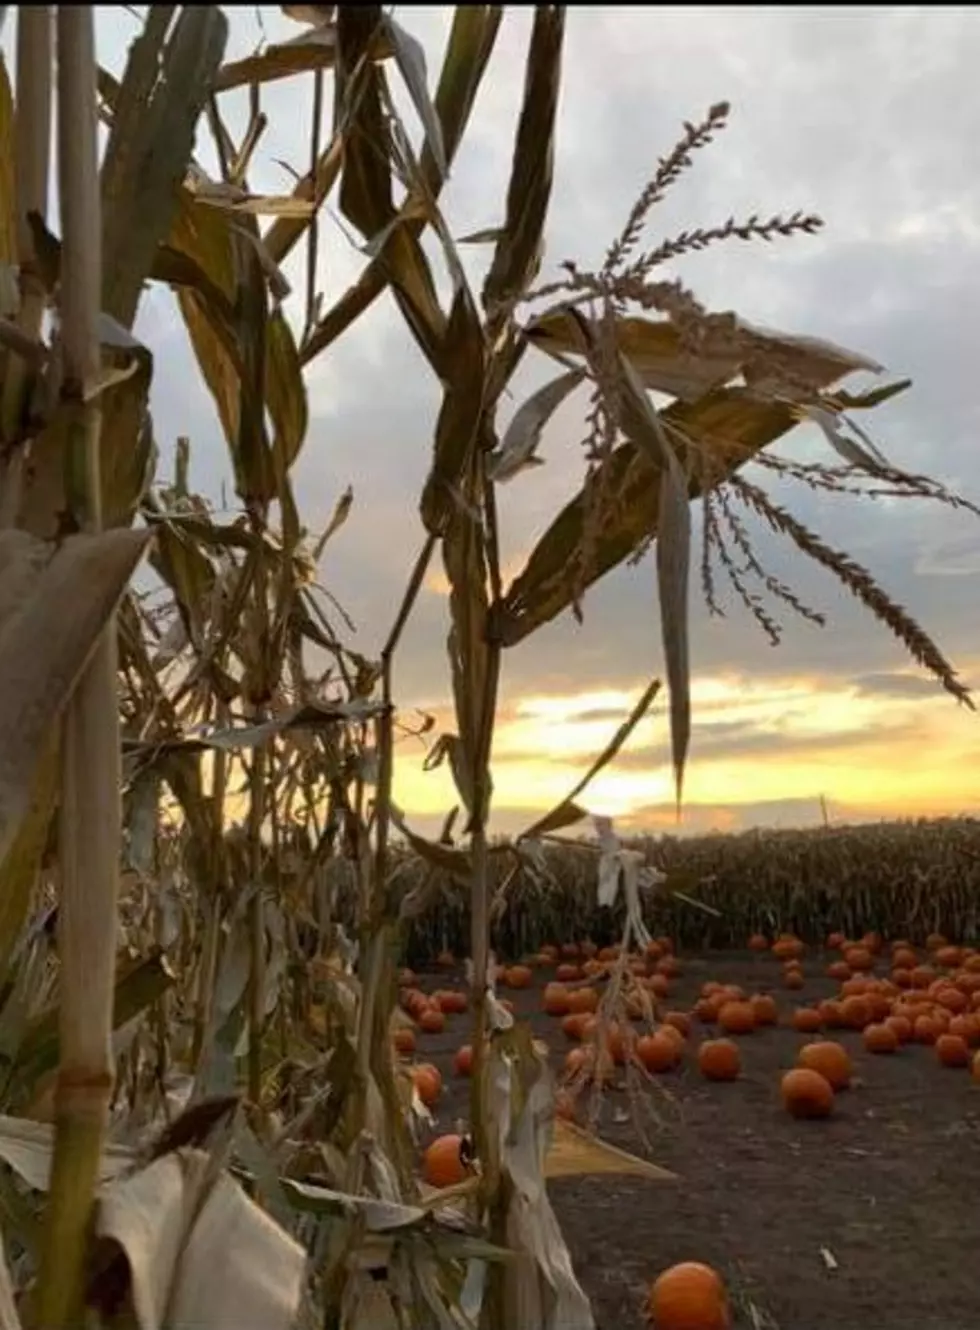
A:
[764, 1009]
[901, 1025]
[586, 1062]
[706, 1010]
[450, 1001]
[669, 967]
[404, 1040]
[832, 1014]
[859, 958]
[952, 999]
[922, 976]
[555, 1000]
[787, 948]
[856, 1012]
[689, 1296]
[583, 999]
[719, 1060]
[659, 984]
[407, 978]
[904, 958]
[518, 976]
[952, 1050]
[573, 1026]
[428, 1083]
[902, 977]
[806, 1020]
[975, 1067]
[463, 1060]
[608, 954]
[672, 1033]
[806, 1093]
[443, 1164]
[793, 977]
[966, 1027]
[934, 941]
[839, 970]
[432, 1021]
[653, 950]
[758, 942]
[680, 1021]
[835, 941]
[737, 1018]
[926, 1029]
[568, 973]
[656, 1052]
[880, 1038]
[565, 1105]
[445, 960]
[830, 1059]
[570, 950]
[665, 944]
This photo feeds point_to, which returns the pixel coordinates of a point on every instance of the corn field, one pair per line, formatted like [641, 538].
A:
[206, 889]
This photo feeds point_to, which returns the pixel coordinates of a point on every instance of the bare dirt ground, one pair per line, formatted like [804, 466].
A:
[869, 1219]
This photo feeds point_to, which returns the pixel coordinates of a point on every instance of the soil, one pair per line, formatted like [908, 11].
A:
[868, 1219]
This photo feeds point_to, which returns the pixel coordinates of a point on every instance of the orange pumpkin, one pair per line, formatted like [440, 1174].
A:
[758, 942]
[806, 1020]
[764, 1009]
[463, 1060]
[926, 1029]
[555, 1000]
[835, 941]
[737, 1018]
[518, 976]
[859, 958]
[856, 1012]
[880, 1038]
[689, 1296]
[573, 1026]
[583, 999]
[428, 1083]
[656, 1052]
[787, 948]
[432, 1021]
[830, 1059]
[839, 970]
[445, 960]
[568, 974]
[901, 1025]
[719, 1060]
[934, 941]
[793, 977]
[443, 1162]
[680, 1021]
[952, 1050]
[404, 1040]
[807, 1094]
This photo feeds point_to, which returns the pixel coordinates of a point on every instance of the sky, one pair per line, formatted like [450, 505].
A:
[866, 115]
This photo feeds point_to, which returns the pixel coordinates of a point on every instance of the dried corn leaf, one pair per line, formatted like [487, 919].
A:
[517, 256]
[568, 811]
[28, 1147]
[46, 640]
[313, 188]
[165, 87]
[643, 424]
[730, 424]
[315, 49]
[410, 59]
[519, 446]
[234, 1268]
[8, 157]
[471, 41]
[576, 1153]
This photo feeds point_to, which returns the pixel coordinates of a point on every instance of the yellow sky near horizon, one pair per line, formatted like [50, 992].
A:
[755, 746]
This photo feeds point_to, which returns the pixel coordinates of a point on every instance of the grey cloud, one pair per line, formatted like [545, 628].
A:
[886, 684]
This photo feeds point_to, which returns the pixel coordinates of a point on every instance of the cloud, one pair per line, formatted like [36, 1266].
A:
[842, 112]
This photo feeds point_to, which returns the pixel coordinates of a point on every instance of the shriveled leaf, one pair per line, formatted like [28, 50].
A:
[517, 257]
[48, 631]
[575, 1153]
[339, 516]
[460, 415]
[172, 1269]
[568, 811]
[455, 862]
[28, 1148]
[410, 59]
[19, 870]
[728, 346]
[166, 84]
[846, 401]
[471, 42]
[852, 450]
[642, 422]
[284, 232]
[315, 49]
[8, 158]
[731, 424]
[312, 716]
[488, 236]
[519, 446]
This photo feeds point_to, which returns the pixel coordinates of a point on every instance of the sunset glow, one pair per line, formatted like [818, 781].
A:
[771, 745]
